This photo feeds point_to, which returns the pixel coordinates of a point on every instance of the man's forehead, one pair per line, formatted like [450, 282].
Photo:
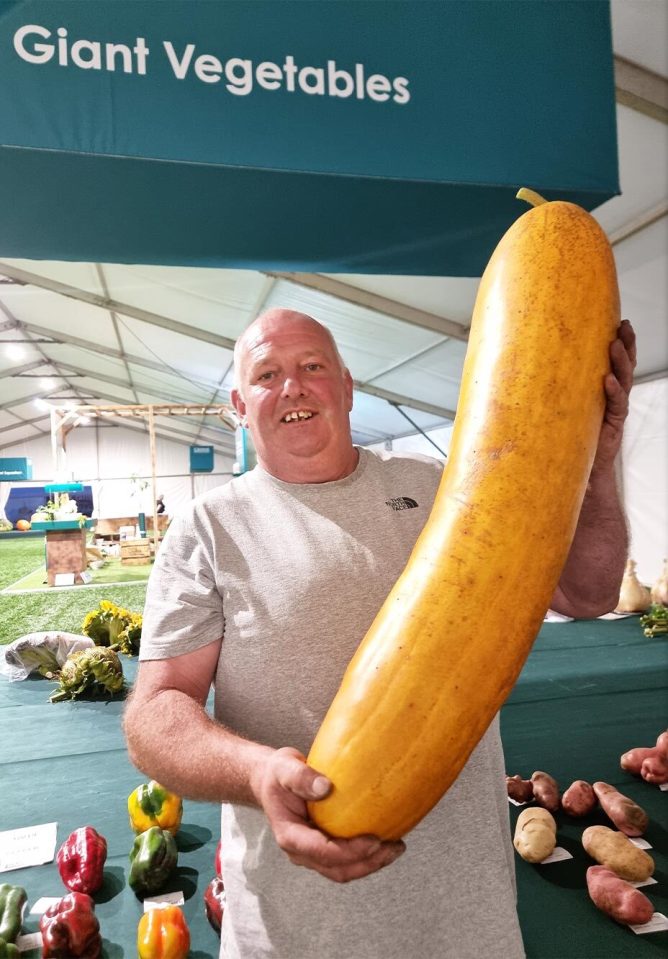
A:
[260, 343]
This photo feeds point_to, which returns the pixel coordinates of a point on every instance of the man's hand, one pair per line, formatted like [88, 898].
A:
[617, 388]
[284, 785]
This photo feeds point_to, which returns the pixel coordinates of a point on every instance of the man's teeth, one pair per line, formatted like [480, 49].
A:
[297, 415]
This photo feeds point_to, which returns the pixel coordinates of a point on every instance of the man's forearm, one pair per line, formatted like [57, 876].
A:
[172, 739]
[590, 581]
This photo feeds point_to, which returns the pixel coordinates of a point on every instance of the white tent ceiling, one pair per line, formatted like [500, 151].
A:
[144, 334]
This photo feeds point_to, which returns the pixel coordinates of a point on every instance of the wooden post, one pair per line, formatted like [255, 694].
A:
[151, 432]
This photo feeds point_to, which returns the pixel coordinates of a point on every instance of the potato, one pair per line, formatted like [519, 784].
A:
[521, 790]
[545, 790]
[535, 834]
[579, 799]
[618, 898]
[632, 760]
[655, 769]
[627, 816]
[662, 743]
[617, 852]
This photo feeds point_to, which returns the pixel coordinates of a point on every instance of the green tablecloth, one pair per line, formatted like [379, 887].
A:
[588, 692]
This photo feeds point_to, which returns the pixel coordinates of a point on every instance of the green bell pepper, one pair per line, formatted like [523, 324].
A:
[8, 951]
[153, 859]
[12, 900]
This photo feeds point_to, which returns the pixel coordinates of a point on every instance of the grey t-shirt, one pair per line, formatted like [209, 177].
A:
[291, 576]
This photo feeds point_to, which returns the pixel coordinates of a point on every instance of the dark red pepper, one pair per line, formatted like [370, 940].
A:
[214, 902]
[70, 929]
[81, 860]
[218, 860]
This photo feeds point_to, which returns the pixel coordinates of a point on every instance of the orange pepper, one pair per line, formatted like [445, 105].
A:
[163, 934]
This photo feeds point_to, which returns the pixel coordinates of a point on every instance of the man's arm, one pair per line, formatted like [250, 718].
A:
[590, 581]
[171, 737]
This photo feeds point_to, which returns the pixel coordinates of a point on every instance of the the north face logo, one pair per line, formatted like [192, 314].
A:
[401, 502]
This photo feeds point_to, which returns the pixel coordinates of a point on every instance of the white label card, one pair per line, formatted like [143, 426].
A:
[33, 940]
[86, 577]
[40, 907]
[558, 855]
[663, 787]
[645, 882]
[166, 899]
[658, 923]
[516, 802]
[639, 842]
[30, 846]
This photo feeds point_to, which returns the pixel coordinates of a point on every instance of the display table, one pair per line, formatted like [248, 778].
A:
[588, 692]
[65, 548]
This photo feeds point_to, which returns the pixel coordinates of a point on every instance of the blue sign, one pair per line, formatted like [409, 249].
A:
[15, 468]
[201, 459]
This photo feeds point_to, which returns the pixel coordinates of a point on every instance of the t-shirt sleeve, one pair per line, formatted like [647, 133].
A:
[183, 610]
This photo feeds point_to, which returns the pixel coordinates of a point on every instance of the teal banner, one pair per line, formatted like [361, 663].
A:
[368, 136]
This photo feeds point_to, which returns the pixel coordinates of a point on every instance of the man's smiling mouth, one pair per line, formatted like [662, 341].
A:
[296, 415]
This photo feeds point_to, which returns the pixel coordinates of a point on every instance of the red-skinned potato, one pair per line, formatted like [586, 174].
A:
[632, 760]
[545, 790]
[662, 744]
[655, 769]
[618, 898]
[579, 799]
[627, 816]
[521, 790]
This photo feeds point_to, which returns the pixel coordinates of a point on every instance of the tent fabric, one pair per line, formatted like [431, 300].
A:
[230, 133]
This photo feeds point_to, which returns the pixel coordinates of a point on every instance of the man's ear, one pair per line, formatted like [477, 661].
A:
[348, 380]
[237, 402]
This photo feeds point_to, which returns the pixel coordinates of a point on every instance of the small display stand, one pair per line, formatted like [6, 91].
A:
[65, 549]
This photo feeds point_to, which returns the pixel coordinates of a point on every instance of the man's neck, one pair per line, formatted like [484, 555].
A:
[312, 470]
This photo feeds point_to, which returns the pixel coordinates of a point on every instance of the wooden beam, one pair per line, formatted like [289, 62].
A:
[641, 89]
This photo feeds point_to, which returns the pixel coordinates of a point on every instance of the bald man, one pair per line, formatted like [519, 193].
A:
[264, 587]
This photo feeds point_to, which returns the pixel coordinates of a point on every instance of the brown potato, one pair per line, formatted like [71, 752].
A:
[535, 834]
[617, 852]
[627, 816]
[545, 790]
[521, 790]
[579, 799]
[618, 898]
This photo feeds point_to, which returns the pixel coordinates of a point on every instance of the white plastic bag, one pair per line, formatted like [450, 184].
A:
[39, 652]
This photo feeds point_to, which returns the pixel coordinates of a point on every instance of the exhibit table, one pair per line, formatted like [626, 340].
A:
[589, 691]
[65, 549]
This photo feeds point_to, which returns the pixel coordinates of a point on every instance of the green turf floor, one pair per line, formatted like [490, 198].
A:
[56, 609]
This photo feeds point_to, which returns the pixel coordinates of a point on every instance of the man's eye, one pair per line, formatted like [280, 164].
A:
[313, 366]
[267, 375]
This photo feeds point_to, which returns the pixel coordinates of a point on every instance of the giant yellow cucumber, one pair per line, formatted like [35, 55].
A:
[450, 640]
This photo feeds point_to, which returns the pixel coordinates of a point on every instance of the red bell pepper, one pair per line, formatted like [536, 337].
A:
[218, 863]
[214, 902]
[70, 929]
[81, 860]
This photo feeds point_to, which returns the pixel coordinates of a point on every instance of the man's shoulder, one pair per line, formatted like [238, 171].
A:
[403, 461]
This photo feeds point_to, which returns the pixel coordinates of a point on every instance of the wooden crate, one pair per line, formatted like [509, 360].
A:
[135, 552]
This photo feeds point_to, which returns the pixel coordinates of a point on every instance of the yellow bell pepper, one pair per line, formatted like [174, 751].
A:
[163, 934]
[152, 805]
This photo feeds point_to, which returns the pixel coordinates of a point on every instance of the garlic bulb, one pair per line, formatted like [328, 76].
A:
[659, 591]
[633, 596]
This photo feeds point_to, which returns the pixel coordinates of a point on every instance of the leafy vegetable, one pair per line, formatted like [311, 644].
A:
[655, 620]
[94, 671]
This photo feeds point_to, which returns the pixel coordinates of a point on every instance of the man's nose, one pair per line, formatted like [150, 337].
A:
[293, 385]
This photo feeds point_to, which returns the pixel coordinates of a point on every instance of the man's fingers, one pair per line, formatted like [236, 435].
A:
[628, 337]
[622, 364]
[296, 777]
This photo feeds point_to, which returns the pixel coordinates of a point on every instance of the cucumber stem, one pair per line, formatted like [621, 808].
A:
[530, 196]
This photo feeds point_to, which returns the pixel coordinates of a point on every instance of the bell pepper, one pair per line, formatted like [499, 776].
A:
[218, 861]
[163, 934]
[152, 805]
[70, 929]
[214, 902]
[154, 857]
[8, 950]
[12, 901]
[81, 860]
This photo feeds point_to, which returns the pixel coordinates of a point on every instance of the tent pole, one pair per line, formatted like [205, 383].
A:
[151, 432]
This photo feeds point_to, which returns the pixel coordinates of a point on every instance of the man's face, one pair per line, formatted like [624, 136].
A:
[295, 397]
